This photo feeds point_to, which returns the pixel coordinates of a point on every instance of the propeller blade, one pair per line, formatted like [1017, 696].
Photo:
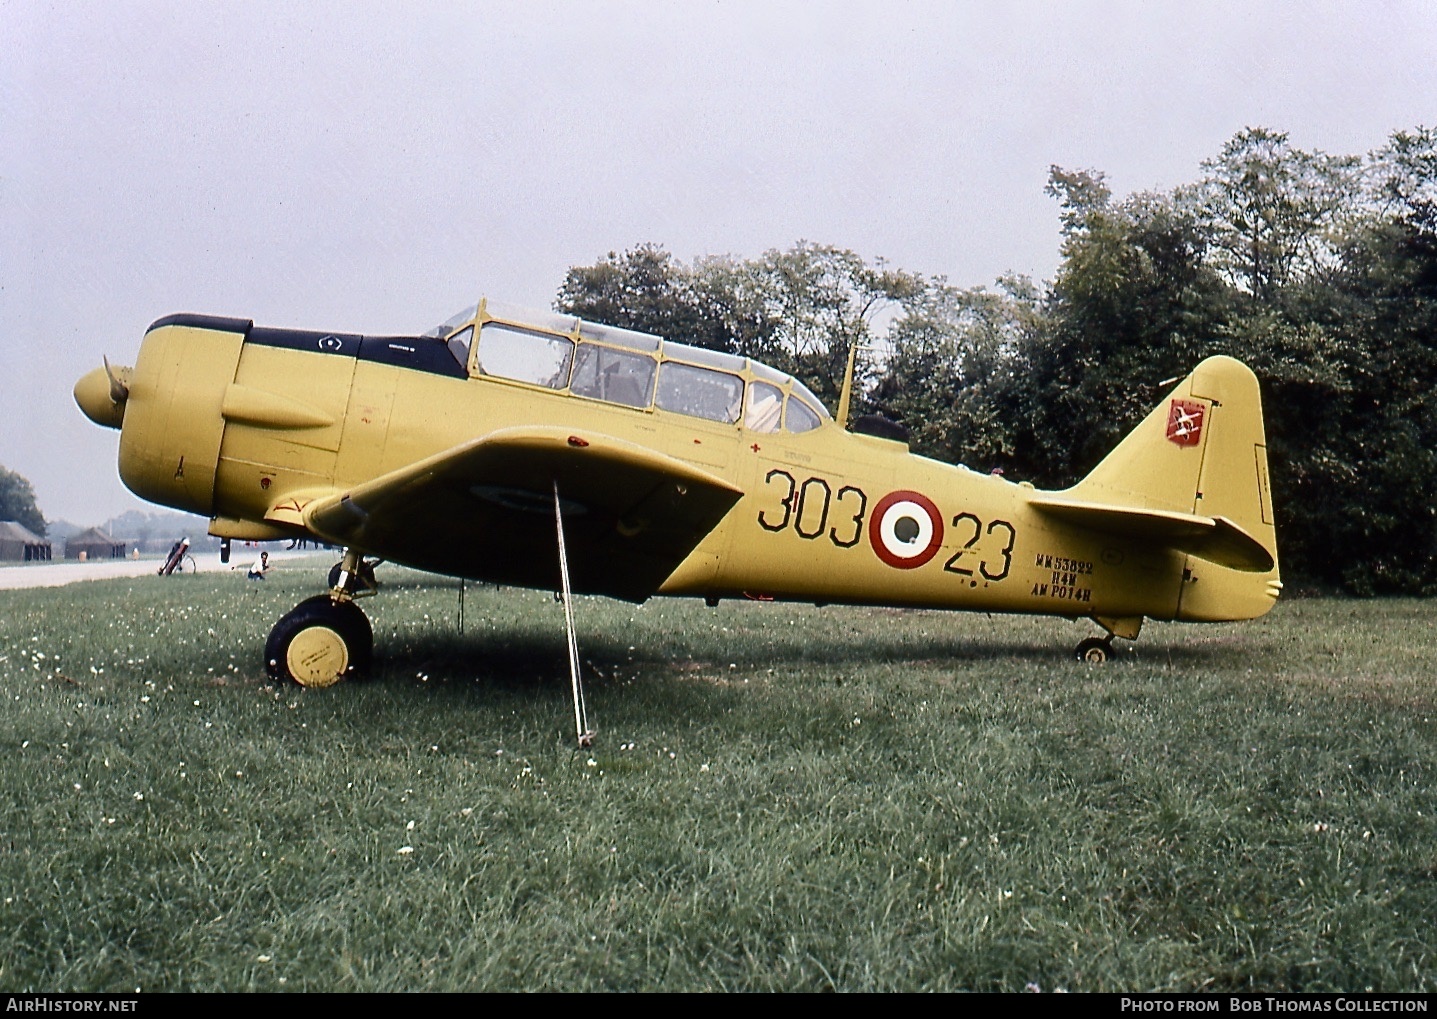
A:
[119, 392]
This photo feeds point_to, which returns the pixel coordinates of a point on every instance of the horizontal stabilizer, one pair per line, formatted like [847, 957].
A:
[1216, 539]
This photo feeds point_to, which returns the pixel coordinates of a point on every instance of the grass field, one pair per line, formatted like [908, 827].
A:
[780, 797]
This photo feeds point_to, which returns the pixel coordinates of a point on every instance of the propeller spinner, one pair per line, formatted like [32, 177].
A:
[102, 393]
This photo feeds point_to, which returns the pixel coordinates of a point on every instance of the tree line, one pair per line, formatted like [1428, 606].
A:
[17, 503]
[1317, 270]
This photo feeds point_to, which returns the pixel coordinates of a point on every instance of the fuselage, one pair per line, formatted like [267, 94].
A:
[228, 420]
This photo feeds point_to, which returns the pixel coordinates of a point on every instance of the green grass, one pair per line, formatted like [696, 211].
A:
[781, 797]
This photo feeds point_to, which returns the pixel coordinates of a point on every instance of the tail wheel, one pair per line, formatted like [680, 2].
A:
[319, 642]
[1095, 650]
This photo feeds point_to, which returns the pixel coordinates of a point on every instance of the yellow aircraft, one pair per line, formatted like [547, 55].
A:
[539, 450]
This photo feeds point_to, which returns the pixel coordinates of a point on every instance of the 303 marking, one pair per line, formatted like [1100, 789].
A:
[806, 506]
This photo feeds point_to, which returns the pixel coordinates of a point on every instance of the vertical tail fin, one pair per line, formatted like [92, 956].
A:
[1201, 451]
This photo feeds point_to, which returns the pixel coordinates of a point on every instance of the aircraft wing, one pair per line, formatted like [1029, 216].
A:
[485, 510]
[1216, 539]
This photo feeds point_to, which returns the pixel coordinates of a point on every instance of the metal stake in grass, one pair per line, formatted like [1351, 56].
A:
[581, 717]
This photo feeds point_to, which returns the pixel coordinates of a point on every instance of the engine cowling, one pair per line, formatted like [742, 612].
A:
[172, 424]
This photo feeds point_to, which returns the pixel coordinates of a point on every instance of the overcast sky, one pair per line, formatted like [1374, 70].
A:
[374, 167]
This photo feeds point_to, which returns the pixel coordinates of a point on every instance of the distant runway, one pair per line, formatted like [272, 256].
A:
[58, 574]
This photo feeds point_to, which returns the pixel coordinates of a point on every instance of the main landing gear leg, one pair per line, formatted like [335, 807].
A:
[1098, 650]
[325, 638]
[353, 575]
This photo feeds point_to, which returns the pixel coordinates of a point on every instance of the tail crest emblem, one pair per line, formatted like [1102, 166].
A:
[1185, 422]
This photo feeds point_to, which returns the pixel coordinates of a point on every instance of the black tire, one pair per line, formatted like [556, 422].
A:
[319, 642]
[1095, 651]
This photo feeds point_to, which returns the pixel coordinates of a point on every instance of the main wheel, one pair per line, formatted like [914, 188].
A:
[1095, 650]
[319, 642]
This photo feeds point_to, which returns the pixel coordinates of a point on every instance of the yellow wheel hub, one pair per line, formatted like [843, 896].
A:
[317, 657]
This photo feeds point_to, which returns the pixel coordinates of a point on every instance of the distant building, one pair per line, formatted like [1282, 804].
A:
[21, 545]
[94, 544]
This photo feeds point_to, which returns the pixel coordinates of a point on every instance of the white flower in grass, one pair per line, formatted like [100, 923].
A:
[405, 850]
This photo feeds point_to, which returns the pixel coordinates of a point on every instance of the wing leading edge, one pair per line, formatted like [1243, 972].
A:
[485, 510]
[1216, 539]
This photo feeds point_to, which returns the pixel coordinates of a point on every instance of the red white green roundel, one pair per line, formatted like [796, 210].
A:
[905, 530]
